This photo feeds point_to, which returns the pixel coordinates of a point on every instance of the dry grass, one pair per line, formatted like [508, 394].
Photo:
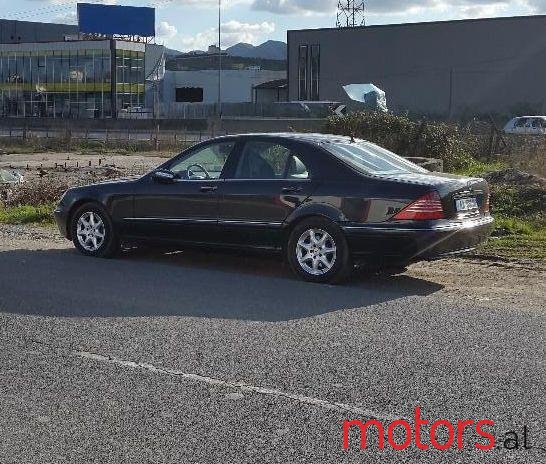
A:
[527, 153]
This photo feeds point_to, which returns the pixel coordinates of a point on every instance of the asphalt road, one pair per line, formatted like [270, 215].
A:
[195, 358]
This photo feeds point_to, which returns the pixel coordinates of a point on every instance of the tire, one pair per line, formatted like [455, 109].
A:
[97, 226]
[312, 238]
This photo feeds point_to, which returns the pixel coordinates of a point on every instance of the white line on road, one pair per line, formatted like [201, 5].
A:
[241, 386]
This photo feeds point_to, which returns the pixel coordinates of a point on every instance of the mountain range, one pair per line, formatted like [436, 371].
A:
[270, 50]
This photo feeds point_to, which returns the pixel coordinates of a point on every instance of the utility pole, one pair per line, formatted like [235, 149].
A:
[219, 59]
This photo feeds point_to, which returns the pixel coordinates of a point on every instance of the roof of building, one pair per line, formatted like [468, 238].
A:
[14, 31]
[274, 84]
[424, 23]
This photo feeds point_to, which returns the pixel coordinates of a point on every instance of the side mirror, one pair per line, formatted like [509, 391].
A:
[164, 176]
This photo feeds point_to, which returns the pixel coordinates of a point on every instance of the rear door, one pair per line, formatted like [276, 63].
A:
[269, 180]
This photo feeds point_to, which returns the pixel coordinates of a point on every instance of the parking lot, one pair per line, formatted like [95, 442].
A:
[194, 357]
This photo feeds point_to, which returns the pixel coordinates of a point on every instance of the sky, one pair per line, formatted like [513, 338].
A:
[192, 24]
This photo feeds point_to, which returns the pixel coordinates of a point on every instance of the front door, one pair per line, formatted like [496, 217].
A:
[186, 209]
[268, 182]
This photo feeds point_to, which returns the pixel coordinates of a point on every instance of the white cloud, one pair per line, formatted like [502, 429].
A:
[392, 7]
[165, 32]
[232, 32]
[295, 6]
[207, 4]
[536, 6]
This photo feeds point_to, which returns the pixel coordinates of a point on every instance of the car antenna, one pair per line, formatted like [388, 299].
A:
[352, 137]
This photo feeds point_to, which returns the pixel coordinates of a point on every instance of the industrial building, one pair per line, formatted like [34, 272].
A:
[12, 31]
[190, 85]
[442, 69]
[80, 79]
[202, 86]
[64, 71]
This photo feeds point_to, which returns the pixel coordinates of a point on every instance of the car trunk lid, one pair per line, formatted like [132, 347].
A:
[462, 197]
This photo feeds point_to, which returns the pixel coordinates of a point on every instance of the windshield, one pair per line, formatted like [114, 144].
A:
[369, 158]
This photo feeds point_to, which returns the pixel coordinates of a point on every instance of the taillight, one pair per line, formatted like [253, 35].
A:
[428, 207]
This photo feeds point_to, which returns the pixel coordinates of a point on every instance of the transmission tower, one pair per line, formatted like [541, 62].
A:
[351, 13]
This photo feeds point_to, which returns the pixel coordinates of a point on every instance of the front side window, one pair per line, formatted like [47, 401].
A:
[369, 158]
[206, 163]
[266, 160]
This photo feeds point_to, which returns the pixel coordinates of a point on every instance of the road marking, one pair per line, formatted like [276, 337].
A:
[241, 386]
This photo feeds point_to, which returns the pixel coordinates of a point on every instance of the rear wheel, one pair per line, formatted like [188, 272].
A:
[317, 251]
[93, 233]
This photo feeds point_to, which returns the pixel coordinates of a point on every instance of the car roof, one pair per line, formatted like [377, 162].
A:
[301, 136]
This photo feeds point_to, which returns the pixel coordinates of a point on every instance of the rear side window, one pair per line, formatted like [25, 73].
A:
[369, 158]
[266, 160]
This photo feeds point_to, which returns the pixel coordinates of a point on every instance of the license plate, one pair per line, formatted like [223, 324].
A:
[466, 204]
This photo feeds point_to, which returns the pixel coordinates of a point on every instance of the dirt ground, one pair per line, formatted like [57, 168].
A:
[76, 166]
[487, 280]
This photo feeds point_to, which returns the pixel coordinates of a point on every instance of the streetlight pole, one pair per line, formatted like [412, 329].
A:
[219, 59]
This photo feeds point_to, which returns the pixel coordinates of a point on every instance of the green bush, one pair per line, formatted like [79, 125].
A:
[519, 202]
[408, 138]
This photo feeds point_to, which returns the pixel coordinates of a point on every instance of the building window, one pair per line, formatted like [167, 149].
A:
[302, 72]
[314, 72]
[189, 94]
[309, 72]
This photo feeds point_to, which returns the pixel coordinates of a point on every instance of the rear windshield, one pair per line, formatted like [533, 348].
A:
[369, 158]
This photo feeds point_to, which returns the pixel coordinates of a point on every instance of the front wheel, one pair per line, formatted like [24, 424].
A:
[317, 251]
[93, 233]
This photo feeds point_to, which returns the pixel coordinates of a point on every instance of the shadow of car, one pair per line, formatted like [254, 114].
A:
[191, 284]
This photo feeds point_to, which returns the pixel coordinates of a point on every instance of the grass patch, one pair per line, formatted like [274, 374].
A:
[27, 214]
[479, 168]
[518, 238]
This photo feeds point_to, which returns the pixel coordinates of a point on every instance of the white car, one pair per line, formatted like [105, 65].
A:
[526, 125]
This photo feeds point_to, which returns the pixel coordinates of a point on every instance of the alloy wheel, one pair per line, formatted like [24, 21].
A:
[316, 252]
[90, 231]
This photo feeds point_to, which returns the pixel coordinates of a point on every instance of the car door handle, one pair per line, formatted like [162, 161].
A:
[292, 190]
[209, 188]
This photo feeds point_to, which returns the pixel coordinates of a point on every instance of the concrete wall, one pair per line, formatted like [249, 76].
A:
[250, 125]
[25, 31]
[236, 85]
[442, 68]
[270, 95]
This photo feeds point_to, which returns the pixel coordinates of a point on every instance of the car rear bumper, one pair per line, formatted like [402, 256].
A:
[402, 244]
